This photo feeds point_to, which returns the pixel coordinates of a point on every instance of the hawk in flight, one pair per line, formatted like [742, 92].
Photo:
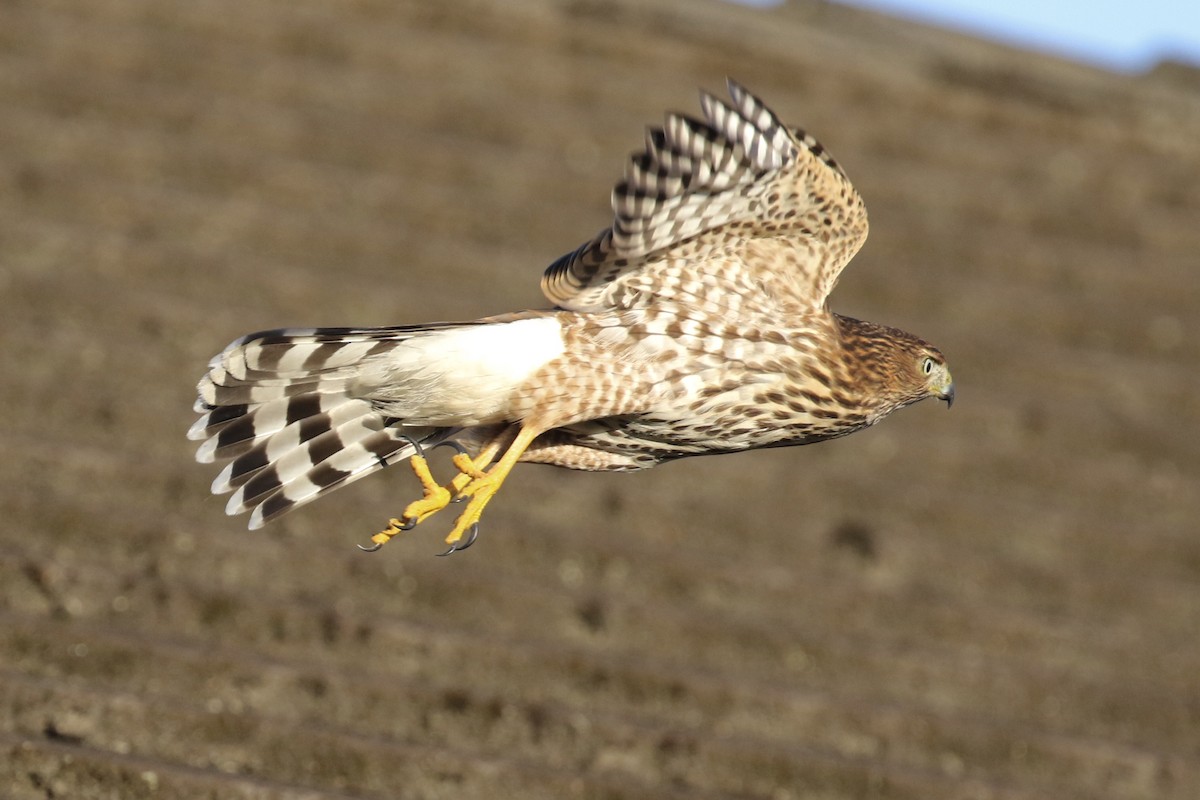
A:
[698, 323]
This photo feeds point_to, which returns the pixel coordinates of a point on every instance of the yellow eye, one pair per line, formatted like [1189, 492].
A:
[927, 367]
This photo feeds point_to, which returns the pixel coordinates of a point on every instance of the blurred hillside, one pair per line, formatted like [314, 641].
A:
[996, 602]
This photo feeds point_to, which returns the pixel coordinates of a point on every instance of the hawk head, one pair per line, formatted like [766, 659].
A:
[937, 380]
[893, 367]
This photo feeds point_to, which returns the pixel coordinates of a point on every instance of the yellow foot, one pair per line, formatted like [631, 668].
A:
[435, 498]
[468, 470]
[472, 484]
[479, 488]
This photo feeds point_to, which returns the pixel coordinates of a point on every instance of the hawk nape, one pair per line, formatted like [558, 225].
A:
[696, 324]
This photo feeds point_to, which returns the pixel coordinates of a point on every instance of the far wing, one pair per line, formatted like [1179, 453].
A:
[739, 169]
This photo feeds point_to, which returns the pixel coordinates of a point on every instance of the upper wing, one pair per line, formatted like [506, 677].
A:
[738, 176]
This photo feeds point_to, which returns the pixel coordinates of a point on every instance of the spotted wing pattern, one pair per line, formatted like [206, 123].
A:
[737, 175]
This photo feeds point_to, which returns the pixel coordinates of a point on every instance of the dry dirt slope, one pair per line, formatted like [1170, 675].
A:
[997, 602]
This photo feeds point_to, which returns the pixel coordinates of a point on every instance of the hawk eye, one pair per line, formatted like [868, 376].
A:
[927, 367]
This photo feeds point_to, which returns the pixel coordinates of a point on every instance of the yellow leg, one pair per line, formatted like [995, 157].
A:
[436, 497]
[483, 485]
[471, 468]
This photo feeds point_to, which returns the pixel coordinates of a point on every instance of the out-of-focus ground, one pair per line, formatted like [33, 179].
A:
[1001, 601]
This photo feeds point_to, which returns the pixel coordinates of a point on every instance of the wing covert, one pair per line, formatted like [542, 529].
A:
[740, 164]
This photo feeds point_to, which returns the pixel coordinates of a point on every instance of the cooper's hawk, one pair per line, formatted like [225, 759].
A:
[696, 324]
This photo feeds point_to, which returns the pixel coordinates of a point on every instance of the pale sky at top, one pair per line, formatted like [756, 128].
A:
[1116, 34]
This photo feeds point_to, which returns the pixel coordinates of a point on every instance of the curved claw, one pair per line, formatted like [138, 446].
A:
[457, 547]
[420, 451]
[471, 537]
[450, 443]
[394, 527]
[416, 446]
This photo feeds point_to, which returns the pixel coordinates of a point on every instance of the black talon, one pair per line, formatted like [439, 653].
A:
[452, 443]
[420, 451]
[472, 536]
[456, 547]
[408, 524]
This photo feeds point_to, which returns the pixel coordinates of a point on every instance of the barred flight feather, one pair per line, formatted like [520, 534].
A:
[299, 411]
[696, 176]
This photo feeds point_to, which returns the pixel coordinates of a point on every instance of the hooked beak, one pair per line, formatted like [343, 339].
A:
[947, 394]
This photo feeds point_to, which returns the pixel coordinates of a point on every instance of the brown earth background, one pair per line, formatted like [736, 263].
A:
[1001, 601]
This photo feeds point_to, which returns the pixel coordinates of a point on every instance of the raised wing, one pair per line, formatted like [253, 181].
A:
[736, 176]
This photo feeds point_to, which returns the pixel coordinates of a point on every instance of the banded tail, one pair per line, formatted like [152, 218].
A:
[299, 412]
